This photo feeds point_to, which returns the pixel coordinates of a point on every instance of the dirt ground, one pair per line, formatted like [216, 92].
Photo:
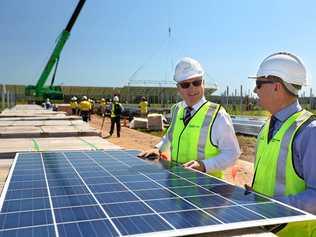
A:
[240, 174]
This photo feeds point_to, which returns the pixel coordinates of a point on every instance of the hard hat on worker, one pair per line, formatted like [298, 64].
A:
[286, 66]
[115, 99]
[187, 68]
[84, 97]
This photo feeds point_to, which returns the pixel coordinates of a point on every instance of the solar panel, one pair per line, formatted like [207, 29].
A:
[113, 193]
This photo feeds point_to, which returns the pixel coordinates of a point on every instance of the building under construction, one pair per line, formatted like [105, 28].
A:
[129, 94]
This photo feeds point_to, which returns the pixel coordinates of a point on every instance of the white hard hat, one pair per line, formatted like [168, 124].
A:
[84, 97]
[116, 99]
[284, 65]
[187, 68]
[74, 98]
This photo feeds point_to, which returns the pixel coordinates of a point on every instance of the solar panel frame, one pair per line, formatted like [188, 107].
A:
[114, 224]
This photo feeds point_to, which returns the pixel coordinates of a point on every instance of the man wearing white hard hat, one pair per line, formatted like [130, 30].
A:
[285, 157]
[85, 108]
[74, 105]
[201, 135]
[116, 111]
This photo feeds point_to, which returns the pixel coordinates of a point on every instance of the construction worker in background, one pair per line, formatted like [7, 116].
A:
[103, 107]
[74, 105]
[201, 135]
[85, 108]
[285, 155]
[116, 111]
[143, 107]
[91, 101]
[48, 104]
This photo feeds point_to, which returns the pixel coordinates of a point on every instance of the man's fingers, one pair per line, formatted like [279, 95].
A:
[141, 154]
[150, 153]
[188, 164]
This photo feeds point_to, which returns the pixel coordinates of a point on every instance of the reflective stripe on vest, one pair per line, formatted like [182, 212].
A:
[279, 151]
[286, 141]
[192, 142]
[203, 135]
[174, 112]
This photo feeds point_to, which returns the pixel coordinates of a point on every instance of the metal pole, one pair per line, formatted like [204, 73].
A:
[240, 97]
[8, 99]
[3, 96]
[227, 94]
[310, 97]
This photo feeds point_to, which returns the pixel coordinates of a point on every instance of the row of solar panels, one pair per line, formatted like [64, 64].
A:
[113, 193]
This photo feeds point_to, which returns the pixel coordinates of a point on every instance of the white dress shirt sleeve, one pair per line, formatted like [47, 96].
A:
[164, 144]
[224, 137]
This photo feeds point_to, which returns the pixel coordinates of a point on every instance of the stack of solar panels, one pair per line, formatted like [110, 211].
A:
[247, 125]
[113, 193]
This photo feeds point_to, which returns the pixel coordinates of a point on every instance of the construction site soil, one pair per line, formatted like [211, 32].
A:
[241, 173]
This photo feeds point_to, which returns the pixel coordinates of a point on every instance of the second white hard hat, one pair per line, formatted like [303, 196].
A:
[115, 99]
[286, 66]
[187, 68]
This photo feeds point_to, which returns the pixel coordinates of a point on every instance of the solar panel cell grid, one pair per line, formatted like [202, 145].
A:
[112, 193]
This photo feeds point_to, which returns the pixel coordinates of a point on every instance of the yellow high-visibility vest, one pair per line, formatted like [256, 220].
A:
[193, 142]
[282, 179]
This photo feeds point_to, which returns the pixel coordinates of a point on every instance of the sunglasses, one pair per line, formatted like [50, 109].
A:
[259, 83]
[186, 85]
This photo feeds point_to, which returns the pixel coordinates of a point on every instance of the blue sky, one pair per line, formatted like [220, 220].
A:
[113, 38]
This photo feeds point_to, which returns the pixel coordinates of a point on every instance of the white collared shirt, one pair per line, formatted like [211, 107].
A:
[222, 135]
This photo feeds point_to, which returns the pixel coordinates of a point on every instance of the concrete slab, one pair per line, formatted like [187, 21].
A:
[29, 110]
[62, 122]
[66, 131]
[20, 131]
[30, 113]
[13, 145]
[74, 143]
[35, 126]
[6, 123]
[26, 123]
[10, 146]
[60, 117]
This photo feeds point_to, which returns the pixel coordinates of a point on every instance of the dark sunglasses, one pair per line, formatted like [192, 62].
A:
[186, 85]
[259, 83]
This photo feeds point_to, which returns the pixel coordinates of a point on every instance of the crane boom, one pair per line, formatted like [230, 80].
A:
[54, 92]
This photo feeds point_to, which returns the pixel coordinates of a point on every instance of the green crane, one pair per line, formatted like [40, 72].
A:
[40, 92]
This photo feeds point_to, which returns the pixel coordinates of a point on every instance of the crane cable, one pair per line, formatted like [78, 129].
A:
[153, 55]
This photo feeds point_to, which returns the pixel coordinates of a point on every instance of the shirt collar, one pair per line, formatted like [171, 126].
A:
[197, 105]
[286, 112]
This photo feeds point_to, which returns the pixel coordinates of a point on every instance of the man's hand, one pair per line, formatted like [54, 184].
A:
[150, 154]
[195, 164]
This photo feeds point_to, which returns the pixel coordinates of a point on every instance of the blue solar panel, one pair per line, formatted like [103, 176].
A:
[113, 193]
